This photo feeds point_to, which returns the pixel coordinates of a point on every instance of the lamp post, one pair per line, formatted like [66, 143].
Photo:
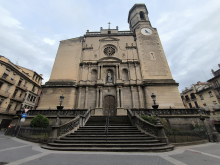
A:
[155, 106]
[59, 108]
[203, 119]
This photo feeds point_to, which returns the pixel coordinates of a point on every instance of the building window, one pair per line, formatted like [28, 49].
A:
[210, 94]
[1, 101]
[9, 106]
[33, 89]
[34, 76]
[15, 92]
[34, 99]
[1, 83]
[16, 107]
[20, 81]
[29, 96]
[219, 92]
[25, 83]
[187, 98]
[13, 76]
[201, 97]
[216, 84]
[142, 15]
[196, 104]
[190, 105]
[214, 102]
[7, 88]
[21, 94]
[6, 73]
[193, 96]
[109, 51]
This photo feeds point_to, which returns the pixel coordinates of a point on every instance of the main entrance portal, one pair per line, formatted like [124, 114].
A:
[109, 106]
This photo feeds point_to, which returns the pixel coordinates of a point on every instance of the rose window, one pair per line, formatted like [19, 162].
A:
[109, 51]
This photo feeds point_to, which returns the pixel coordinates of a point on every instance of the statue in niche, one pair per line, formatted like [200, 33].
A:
[109, 77]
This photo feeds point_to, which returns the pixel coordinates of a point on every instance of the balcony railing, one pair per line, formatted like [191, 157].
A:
[8, 79]
[22, 87]
[19, 99]
[4, 93]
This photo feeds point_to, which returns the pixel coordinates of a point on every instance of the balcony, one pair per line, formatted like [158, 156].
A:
[4, 111]
[22, 87]
[8, 79]
[16, 98]
[4, 93]
[216, 107]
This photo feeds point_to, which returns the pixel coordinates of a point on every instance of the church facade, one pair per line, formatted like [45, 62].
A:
[111, 70]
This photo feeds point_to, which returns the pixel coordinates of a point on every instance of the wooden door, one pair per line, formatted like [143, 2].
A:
[109, 106]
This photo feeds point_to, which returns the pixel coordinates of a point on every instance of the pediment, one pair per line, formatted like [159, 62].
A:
[109, 60]
[109, 39]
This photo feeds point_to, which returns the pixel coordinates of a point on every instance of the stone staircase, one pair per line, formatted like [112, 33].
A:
[122, 137]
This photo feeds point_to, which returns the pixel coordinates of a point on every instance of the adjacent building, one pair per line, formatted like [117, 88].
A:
[215, 82]
[18, 88]
[200, 95]
[112, 70]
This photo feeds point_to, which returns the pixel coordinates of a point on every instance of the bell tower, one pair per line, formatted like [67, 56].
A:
[155, 71]
[138, 15]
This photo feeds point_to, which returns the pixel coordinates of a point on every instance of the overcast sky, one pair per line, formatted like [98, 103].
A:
[189, 30]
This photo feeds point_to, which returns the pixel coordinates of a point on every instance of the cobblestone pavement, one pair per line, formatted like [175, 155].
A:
[14, 151]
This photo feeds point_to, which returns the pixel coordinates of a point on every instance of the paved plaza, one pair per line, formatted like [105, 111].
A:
[14, 151]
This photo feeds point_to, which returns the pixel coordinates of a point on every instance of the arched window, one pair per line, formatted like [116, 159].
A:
[94, 75]
[142, 15]
[125, 75]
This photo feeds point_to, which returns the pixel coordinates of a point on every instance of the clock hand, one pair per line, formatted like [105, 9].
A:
[146, 31]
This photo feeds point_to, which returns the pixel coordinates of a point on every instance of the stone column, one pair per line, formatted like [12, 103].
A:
[140, 98]
[89, 74]
[116, 72]
[79, 98]
[119, 72]
[129, 73]
[101, 72]
[98, 72]
[86, 97]
[97, 97]
[132, 96]
[121, 97]
[118, 99]
[135, 67]
[100, 98]
[82, 72]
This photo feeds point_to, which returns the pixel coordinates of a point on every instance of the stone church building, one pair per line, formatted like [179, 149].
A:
[112, 70]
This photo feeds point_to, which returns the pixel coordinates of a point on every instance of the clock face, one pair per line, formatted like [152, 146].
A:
[146, 31]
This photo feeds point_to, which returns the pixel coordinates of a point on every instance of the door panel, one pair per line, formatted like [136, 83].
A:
[109, 106]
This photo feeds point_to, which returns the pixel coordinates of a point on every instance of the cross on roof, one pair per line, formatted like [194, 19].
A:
[109, 25]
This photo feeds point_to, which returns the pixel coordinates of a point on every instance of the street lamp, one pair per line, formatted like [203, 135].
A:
[59, 108]
[155, 106]
[203, 119]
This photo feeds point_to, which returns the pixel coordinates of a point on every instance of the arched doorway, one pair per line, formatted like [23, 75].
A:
[109, 106]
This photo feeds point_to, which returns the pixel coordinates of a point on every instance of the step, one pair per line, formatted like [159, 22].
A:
[109, 130]
[108, 141]
[106, 145]
[109, 133]
[113, 149]
[109, 138]
[133, 135]
[101, 128]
